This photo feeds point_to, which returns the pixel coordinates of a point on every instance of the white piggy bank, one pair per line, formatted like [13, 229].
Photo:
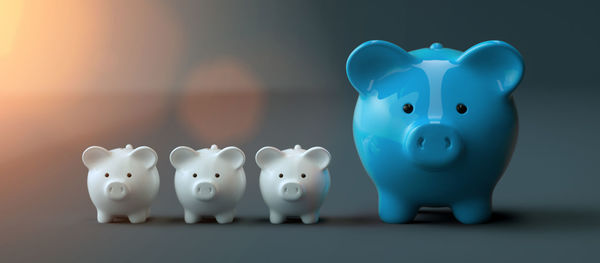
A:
[294, 182]
[122, 181]
[209, 182]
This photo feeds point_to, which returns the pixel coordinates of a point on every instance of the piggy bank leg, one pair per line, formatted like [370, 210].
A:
[310, 218]
[138, 217]
[394, 210]
[190, 217]
[226, 217]
[276, 218]
[473, 211]
[103, 217]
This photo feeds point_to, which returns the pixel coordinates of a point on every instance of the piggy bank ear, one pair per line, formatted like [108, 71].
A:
[319, 156]
[233, 155]
[145, 155]
[181, 155]
[495, 60]
[93, 155]
[373, 60]
[267, 155]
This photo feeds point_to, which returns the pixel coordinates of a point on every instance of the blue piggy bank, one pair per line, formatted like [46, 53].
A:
[435, 127]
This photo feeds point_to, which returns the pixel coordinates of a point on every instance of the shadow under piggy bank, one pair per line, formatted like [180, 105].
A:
[534, 219]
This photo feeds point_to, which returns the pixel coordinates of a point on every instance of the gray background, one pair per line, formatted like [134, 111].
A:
[546, 207]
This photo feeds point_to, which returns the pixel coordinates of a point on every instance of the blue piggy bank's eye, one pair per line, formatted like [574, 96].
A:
[408, 108]
[461, 108]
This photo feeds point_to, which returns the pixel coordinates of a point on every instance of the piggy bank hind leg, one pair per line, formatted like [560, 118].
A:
[226, 217]
[275, 217]
[310, 218]
[473, 211]
[138, 217]
[104, 217]
[394, 209]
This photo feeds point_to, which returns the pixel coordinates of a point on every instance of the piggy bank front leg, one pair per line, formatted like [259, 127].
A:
[138, 217]
[310, 218]
[276, 217]
[473, 211]
[104, 217]
[190, 217]
[394, 209]
[226, 217]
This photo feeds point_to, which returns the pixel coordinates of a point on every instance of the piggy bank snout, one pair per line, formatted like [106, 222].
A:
[291, 191]
[204, 191]
[116, 190]
[433, 145]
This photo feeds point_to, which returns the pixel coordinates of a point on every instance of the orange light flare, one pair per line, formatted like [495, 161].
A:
[222, 102]
[73, 72]
[10, 16]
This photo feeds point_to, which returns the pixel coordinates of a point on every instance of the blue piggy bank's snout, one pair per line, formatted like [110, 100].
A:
[433, 145]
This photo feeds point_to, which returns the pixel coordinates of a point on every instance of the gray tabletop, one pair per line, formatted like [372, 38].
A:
[546, 206]
[283, 69]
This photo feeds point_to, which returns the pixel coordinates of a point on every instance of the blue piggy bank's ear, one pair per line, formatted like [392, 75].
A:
[373, 60]
[496, 60]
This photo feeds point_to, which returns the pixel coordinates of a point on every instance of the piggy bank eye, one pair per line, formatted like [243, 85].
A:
[195, 175]
[303, 175]
[217, 175]
[129, 175]
[106, 175]
[280, 175]
[461, 108]
[408, 108]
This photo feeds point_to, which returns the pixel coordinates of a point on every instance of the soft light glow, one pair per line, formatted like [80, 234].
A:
[84, 69]
[222, 102]
[10, 16]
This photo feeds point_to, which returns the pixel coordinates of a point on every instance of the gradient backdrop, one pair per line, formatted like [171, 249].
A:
[254, 73]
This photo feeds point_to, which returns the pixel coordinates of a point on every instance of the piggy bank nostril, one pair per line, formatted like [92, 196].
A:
[447, 142]
[420, 142]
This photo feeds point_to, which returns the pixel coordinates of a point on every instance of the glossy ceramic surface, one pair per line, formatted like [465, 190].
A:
[294, 182]
[209, 181]
[122, 182]
[435, 126]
